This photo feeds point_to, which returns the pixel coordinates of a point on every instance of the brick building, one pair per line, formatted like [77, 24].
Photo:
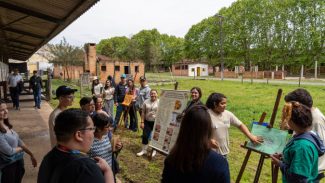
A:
[116, 68]
[102, 66]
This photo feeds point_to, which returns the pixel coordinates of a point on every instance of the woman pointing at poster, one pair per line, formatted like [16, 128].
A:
[221, 121]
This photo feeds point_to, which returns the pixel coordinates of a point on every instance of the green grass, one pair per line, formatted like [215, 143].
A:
[247, 101]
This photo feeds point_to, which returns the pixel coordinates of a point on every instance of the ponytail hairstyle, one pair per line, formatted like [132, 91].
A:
[298, 113]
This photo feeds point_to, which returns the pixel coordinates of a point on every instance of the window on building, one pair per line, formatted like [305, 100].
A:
[193, 70]
[126, 70]
[117, 68]
[136, 68]
[103, 68]
[185, 67]
[203, 69]
[177, 67]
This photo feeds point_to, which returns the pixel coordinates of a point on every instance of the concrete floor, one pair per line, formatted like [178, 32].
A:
[32, 126]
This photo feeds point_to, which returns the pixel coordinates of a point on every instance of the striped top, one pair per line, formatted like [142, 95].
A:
[102, 148]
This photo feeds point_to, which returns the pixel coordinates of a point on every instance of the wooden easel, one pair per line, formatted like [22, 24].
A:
[274, 168]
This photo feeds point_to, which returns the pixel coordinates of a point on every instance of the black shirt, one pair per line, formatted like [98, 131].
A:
[62, 167]
[119, 93]
[35, 82]
[215, 169]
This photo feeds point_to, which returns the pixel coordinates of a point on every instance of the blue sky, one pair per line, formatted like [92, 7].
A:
[109, 18]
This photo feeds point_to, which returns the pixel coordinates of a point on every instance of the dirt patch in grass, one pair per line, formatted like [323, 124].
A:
[137, 169]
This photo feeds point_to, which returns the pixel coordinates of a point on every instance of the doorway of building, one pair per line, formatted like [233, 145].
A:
[198, 71]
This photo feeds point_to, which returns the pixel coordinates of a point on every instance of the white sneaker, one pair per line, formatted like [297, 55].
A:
[154, 152]
[142, 153]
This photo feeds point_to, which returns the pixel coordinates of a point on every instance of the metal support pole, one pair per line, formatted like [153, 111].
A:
[221, 47]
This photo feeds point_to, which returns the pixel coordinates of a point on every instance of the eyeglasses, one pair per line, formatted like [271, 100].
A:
[89, 128]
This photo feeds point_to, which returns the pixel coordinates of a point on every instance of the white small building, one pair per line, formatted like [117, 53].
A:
[187, 68]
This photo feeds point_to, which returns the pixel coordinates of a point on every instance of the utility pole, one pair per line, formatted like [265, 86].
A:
[221, 44]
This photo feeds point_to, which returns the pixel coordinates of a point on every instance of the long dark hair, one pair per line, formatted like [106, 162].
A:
[5, 121]
[198, 90]
[106, 86]
[193, 142]
[93, 85]
[131, 89]
[214, 99]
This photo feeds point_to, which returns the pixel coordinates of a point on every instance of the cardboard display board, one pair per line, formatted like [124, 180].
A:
[166, 128]
[127, 100]
[274, 139]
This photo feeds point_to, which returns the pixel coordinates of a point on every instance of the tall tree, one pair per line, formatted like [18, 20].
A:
[65, 55]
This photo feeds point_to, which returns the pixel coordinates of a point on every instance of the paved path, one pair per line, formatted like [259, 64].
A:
[31, 125]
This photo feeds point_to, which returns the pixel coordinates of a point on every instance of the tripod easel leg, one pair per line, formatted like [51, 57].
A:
[259, 168]
[275, 171]
[248, 153]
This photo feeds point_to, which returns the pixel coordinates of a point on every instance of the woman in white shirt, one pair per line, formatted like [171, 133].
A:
[109, 98]
[222, 119]
[148, 116]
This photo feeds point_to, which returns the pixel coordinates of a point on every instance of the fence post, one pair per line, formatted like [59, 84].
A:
[301, 74]
[49, 85]
[315, 69]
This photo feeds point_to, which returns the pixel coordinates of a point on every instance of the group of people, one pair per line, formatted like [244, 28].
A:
[83, 146]
[84, 150]
[16, 85]
[144, 101]
[202, 156]
[114, 95]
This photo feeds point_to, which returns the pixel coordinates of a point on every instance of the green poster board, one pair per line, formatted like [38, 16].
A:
[274, 139]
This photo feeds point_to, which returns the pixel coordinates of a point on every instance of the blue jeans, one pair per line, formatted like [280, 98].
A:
[119, 110]
[37, 98]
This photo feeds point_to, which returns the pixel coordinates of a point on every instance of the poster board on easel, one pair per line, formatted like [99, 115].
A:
[165, 131]
[264, 153]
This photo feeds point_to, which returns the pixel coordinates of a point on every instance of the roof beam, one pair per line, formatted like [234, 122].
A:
[20, 47]
[30, 12]
[23, 33]
[22, 42]
[18, 50]
[19, 54]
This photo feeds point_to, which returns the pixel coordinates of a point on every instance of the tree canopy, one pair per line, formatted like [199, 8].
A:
[65, 55]
[254, 32]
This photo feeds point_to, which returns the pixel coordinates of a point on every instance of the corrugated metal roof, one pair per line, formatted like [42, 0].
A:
[26, 25]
